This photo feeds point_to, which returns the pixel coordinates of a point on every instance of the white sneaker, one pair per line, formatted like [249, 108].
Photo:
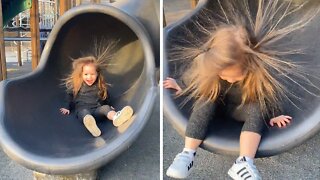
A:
[91, 125]
[122, 116]
[181, 165]
[244, 171]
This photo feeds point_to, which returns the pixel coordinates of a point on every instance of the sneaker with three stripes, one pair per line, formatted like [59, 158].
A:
[181, 165]
[244, 170]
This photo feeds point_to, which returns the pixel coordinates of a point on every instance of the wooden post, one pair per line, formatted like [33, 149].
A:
[18, 43]
[35, 33]
[65, 5]
[194, 3]
[3, 69]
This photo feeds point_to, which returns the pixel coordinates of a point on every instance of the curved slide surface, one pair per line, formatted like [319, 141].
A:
[32, 130]
[223, 137]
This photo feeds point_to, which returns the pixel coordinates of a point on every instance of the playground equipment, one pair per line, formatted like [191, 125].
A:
[16, 16]
[47, 14]
[35, 134]
[223, 136]
[11, 8]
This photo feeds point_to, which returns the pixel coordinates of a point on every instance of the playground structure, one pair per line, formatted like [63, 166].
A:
[135, 24]
[17, 31]
[26, 33]
[223, 136]
[48, 16]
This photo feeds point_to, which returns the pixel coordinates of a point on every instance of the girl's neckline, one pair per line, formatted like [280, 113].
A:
[85, 84]
[228, 83]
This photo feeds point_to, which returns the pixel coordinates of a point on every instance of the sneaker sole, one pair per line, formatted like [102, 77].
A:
[126, 114]
[91, 125]
[177, 176]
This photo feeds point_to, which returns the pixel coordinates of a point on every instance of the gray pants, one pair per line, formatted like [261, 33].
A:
[99, 112]
[204, 112]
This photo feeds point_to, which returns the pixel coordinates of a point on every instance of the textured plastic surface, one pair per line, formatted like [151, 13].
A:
[223, 136]
[32, 130]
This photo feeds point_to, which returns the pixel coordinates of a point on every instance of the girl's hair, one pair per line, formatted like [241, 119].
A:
[237, 37]
[230, 46]
[74, 81]
[100, 55]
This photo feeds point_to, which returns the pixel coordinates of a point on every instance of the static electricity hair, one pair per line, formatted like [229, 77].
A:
[250, 37]
[102, 54]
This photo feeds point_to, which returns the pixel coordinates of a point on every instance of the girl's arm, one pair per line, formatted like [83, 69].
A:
[171, 83]
[106, 101]
[67, 103]
[281, 121]
[64, 111]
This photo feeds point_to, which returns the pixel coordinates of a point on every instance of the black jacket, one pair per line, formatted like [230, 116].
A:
[87, 98]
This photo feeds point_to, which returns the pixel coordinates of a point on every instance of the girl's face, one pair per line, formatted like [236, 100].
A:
[233, 74]
[89, 74]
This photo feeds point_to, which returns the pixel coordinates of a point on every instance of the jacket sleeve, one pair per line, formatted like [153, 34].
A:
[107, 100]
[68, 100]
[181, 83]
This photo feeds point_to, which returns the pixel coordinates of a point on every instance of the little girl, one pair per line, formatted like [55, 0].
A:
[227, 82]
[87, 90]
[241, 70]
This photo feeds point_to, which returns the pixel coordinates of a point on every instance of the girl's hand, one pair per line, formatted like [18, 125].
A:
[171, 83]
[281, 121]
[64, 111]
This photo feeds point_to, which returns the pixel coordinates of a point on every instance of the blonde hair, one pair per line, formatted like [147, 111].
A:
[74, 81]
[236, 38]
[100, 55]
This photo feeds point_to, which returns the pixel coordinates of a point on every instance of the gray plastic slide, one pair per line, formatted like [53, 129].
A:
[223, 136]
[35, 134]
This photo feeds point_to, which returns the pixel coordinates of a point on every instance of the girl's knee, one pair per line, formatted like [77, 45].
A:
[106, 108]
[82, 113]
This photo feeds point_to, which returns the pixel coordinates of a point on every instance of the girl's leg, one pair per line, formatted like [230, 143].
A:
[191, 143]
[119, 117]
[89, 122]
[82, 113]
[111, 114]
[243, 167]
[249, 142]
[104, 111]
[198, 124]
[195, 133]
[252, 129]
